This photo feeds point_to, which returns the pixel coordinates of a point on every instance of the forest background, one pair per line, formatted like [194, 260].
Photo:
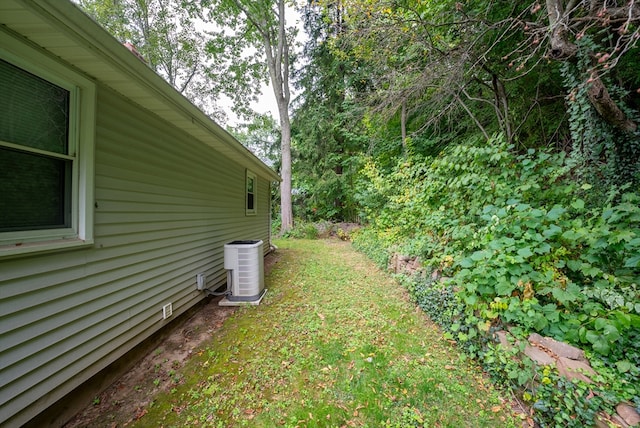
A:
[496, 141]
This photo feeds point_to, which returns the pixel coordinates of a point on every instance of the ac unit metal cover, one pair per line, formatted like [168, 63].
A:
[244, 261]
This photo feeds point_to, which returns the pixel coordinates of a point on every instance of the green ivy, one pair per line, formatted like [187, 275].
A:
[602, 152]
[560, 402]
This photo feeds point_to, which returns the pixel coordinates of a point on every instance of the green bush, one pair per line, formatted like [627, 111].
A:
[302, 230]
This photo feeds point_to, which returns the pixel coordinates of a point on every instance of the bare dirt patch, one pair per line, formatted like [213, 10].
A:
[128, 397]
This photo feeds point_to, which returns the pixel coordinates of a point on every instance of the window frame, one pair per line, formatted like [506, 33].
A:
[249, 175]
[82, 106]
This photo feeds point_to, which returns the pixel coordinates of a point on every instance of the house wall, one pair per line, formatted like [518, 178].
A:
[165, 206]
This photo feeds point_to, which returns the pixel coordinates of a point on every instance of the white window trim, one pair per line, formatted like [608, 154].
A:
[81, 139]
[251, 175]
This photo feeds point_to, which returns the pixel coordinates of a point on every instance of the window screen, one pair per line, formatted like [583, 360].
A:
[35, 167]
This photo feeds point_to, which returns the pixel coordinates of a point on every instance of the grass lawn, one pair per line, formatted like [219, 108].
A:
[334, 343]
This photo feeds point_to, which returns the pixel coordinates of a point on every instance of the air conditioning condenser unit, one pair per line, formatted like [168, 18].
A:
[244, 262]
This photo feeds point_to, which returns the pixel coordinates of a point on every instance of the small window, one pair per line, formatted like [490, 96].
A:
[251, 187]
[46, 152]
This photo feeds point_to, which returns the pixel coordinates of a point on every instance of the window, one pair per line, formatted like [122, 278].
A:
[251, 187]
[46, 152]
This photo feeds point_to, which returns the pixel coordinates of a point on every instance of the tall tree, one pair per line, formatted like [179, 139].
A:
[261, 26]
[325, 126]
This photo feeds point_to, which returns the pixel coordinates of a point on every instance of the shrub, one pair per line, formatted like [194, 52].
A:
[302, 230]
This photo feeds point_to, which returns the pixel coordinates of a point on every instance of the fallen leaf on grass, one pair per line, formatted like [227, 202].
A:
[141, 413]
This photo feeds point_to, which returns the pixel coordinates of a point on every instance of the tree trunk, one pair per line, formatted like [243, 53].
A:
[562, 49]
[286, 208]
[606, 107]
[277, 52]
[403, 126]
[502, 106]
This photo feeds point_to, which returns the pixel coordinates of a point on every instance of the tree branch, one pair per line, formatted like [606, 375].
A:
[471, 115]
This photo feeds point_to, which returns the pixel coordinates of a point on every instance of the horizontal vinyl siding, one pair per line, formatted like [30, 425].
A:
[165, 207]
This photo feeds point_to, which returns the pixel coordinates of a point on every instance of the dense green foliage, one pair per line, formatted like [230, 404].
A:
[386, 79]
[525, 247]
[326, 138]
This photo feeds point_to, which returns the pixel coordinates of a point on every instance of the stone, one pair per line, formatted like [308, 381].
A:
[603, 420]
[393, 263]
[538, 356]
[504, 339]
[618, 421]
[574, 369]
[560, 349]
[416, 263]
[628, 414]
[600, 421]
[535, 338]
